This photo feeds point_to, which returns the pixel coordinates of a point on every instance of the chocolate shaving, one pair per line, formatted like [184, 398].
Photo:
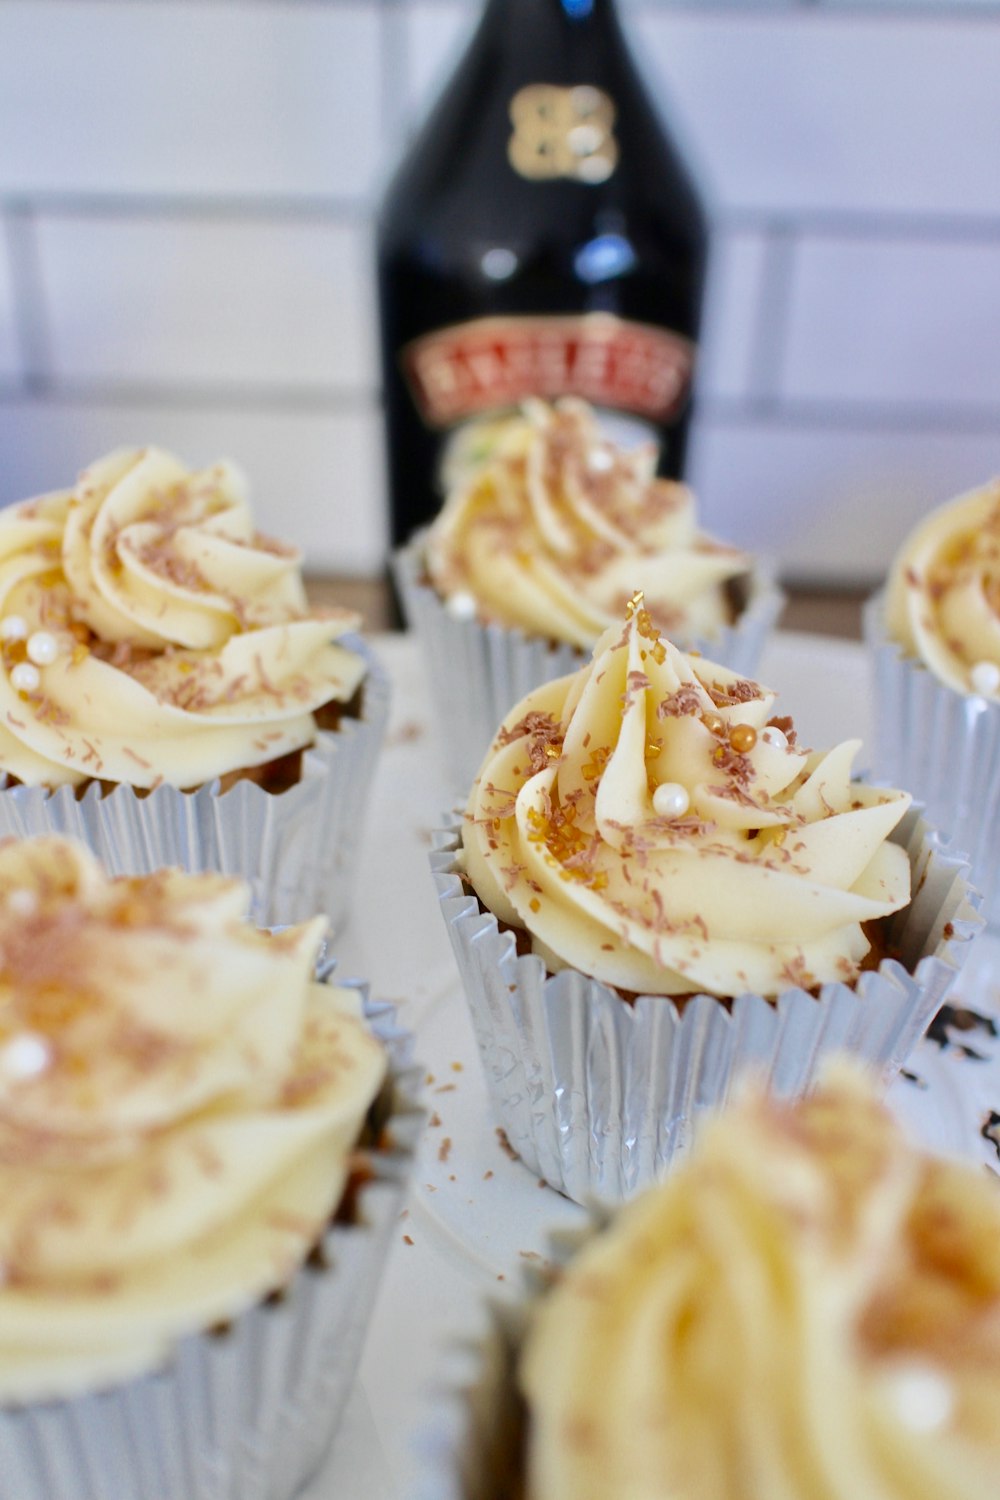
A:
[686, 700]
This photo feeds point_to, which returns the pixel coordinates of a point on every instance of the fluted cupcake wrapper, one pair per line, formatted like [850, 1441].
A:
[477, 672]
[598, 1096]
[247, 1412]
[944, 747]
[472, 1446]
[297, 849]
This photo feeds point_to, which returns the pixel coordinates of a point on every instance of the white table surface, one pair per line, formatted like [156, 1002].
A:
[474, 1218]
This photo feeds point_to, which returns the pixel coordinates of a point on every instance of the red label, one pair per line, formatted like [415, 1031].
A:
[495, 362]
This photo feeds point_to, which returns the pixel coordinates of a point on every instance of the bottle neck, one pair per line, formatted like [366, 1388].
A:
[552, 17]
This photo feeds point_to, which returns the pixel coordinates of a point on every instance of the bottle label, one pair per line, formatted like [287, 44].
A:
[562, 132]
[491, 363]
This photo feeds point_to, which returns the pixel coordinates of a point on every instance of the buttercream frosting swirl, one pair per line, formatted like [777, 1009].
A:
[807, 1308]
[943, 600]
[554, 530]
[179, 1104]
[650, 822]
[149, 634]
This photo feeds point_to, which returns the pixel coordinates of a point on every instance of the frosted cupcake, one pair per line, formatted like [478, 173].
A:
[187, 1262]
[809, 1307]
[167, 694]
[935, 639]
[655, 888]
[540, 543]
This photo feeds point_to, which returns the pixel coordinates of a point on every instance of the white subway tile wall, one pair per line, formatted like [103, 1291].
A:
[935, 306]
[829, 498]
[737, 299]
[253, 97]
[819, 111]
[186, 198]
[272, 303]
[315, 468]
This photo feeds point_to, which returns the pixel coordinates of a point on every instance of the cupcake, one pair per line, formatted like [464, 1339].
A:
[198, 1184]
[166, 693]
[808, 1307]
[654, 888]
[935, 640]
[545, 534]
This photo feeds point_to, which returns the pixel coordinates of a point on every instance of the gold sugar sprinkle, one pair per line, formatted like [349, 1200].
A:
[742, 737]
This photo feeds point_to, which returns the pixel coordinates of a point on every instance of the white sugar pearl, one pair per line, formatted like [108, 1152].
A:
[775, 736]
[670, 800]
[13, 628]
[23, 903]
[600, 460]
[461, 606]
[25, 677]
[923, 1399]
[25, 1056]
[42, 648]
[985, 678]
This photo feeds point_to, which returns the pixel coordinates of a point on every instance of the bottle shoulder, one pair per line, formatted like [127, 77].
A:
[655, 220]
[508, 109]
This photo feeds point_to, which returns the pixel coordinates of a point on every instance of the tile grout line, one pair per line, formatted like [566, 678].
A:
[897, 9]
[880, 224]
[773, 411]
[30, 313]
[905, 11]
[770, 332]
[126, 391]
[833, 223]
[124, 205]
[838, 414]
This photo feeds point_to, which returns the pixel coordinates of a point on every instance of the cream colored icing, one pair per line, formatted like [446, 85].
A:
[758, 879]
[179, 1102]
[181, 640]
[557, 527]
[943, 600]
[808, 1308]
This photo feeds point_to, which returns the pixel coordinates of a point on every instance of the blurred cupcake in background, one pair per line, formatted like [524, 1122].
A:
[809, 1306]
[203, 1151]
[168, 695]
[655, 888]
[934, 635]
[548, 528]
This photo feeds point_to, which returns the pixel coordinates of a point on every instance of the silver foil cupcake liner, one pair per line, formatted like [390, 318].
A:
[297, 849]
[248, 1411]
[473, 1446]
[944, 747]
[598, 1096]
[477, 672]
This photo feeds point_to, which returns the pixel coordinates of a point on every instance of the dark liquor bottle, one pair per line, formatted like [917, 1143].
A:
[542, 237]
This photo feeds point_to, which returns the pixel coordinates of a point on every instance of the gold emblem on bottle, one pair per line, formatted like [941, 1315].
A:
[560, 132]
